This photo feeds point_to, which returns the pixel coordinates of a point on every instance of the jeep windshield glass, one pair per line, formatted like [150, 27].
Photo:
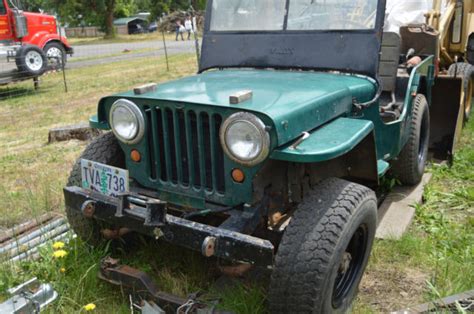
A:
[302, 15]
[248, 15]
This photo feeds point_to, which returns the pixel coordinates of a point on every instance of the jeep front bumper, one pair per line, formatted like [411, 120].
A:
[151, 218]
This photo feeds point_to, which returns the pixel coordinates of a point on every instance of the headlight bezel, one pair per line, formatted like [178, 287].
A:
[138, 116]
[256, 122]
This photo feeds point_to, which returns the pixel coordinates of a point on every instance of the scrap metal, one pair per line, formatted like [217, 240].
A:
[28, 298]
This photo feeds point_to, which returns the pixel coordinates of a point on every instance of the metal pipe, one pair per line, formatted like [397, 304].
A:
[445, 22]
[32, 235]
[36, 241]
[33, 252]
[27, 226]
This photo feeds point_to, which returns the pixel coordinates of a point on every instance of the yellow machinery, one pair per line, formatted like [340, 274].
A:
[454, 20]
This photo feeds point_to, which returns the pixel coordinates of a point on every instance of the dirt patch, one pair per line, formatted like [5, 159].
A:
[389, 289]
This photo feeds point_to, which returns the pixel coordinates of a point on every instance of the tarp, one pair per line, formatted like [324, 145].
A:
[403, 12]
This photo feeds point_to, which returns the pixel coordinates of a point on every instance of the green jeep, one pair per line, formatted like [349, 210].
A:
[271, 154]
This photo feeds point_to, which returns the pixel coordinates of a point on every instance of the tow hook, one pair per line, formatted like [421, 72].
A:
[29, 297]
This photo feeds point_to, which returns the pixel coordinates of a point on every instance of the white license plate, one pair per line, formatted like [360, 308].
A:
[102, 178]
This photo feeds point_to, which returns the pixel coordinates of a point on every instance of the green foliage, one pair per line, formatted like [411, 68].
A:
[95, 12]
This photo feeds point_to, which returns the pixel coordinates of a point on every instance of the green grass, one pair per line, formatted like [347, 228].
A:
[434, 259]
[33, 172]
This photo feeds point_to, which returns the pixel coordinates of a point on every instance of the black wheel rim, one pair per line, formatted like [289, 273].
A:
[350, 266]
[423, 145]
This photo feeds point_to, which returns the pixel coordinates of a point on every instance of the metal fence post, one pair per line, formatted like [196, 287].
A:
[166, 51]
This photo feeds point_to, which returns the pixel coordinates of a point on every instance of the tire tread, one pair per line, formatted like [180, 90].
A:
[316, 227]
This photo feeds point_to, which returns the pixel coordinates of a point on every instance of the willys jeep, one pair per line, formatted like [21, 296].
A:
[271, 154]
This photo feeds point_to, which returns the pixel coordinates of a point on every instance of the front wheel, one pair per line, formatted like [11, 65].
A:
[325, 250]
[56, 55]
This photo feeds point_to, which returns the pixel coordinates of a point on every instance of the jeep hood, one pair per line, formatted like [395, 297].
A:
[293, 101]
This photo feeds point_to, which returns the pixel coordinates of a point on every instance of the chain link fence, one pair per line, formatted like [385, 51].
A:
[28, 70]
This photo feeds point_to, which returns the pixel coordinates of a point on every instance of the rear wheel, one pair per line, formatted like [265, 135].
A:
[325, 250]
[104, 149]
[410, 164]
[466, 72]
[31, 60]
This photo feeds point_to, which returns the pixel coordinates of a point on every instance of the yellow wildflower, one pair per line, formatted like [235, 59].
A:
[89, 307]
[62, 270]
[58, 245]
[59, 254]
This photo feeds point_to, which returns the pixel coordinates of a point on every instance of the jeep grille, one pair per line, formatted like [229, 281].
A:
[185, 149]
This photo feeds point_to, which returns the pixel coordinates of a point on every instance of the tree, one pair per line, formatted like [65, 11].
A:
[110, 6]
[103, 12]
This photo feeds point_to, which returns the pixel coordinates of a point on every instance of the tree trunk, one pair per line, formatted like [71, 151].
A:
[109, 18]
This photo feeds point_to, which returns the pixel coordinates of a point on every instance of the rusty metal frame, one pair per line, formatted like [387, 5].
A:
[142, 286]
[230, 240]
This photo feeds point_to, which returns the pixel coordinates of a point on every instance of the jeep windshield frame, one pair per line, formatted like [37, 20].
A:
[328, 35]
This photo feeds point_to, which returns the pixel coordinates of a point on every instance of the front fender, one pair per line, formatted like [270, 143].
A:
[40, 39]
[350, 143]
[328, 142]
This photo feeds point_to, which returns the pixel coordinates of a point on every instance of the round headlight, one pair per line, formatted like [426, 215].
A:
[127, 121]
[245, 139]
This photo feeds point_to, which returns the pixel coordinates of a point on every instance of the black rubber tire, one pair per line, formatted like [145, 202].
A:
[409, 167]
[22, 65]
[466, 72]
[104, 149]
[55, 64]
[315, 242]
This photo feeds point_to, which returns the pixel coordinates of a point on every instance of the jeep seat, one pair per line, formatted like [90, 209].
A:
[389, 61]
[388, 73]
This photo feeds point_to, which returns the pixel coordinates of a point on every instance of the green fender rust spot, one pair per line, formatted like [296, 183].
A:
[328, 142]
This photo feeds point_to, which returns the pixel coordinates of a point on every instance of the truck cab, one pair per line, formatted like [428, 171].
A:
[31, 39]
[272, 154]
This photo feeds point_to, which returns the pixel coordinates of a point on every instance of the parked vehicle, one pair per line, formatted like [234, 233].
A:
[153, 27]
[134, 29]
[32, 40]
[272, 154]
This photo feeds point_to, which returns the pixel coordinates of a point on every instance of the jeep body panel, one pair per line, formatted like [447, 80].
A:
[289, 103]
[293, 102]
[333, 140]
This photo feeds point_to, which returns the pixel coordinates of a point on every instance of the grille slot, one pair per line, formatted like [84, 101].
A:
[185, 148]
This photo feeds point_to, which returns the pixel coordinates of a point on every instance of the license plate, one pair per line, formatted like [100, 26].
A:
[102, 178]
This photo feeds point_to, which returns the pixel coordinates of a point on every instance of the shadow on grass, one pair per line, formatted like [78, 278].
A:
[8, 92]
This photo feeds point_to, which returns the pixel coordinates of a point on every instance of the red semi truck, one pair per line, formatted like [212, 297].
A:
[32, 40]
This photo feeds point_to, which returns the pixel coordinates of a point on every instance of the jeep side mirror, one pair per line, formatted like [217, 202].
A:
[21, 25]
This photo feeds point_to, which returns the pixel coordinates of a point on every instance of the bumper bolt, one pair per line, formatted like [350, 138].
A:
[158, 233]
[209, 246]
[88, 209]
